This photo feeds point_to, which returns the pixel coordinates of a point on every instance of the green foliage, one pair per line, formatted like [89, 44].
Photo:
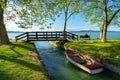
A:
[66, 7]
[2, 4]
[94, 11]
[93, 20]
[103, 13]
[29, 13]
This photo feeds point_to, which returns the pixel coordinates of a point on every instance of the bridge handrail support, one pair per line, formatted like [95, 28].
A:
[23, 35]
[74, 36]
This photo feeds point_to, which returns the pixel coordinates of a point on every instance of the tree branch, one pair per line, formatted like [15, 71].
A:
[71, 14]
[6, 3]
[113, 16]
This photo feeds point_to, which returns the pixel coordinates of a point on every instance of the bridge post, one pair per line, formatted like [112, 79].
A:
[56, 35]
[16, 39]
[73, 36]
[46, 35]
[27, 36]
[64, 35]
[36, 35]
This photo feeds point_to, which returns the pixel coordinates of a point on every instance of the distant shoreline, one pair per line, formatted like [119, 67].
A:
[15, 31]
[92, 31]
[68, 31]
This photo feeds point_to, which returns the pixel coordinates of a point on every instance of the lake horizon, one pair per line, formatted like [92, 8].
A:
[91, 33]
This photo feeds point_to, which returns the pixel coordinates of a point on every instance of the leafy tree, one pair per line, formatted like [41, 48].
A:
[26, 13]
[66, 7]
[104, 13]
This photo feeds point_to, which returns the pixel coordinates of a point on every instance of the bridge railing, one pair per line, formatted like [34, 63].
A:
[21, 36]
[71, 35]
[49, 35]
[44, 35]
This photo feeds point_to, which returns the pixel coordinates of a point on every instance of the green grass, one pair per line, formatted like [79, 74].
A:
[19, 62]
[109, 51]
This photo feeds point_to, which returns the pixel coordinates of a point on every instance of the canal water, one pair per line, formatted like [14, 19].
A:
[59, 68]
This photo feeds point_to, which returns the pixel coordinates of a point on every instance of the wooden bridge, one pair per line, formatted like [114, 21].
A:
[46, 36]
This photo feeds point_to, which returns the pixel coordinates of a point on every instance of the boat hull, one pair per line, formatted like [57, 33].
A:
[94, 71]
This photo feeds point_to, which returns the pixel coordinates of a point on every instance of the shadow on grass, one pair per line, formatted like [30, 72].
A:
[13, 49]
[4, 76]
[24, 46]
[21, 62]
[27, 64]
[13, 46]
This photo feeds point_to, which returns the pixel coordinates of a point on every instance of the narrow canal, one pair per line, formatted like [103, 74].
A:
[59, 68]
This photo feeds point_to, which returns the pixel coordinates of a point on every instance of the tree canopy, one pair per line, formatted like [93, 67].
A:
[94, 11]
[65, 7]
[103, 13]
[28, 13]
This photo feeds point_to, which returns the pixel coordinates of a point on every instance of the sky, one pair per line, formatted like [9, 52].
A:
[75, 23]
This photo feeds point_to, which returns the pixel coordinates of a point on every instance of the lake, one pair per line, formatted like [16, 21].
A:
[96, 34]
[93, 34]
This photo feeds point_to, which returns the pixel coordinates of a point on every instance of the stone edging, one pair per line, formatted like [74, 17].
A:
[111, 67]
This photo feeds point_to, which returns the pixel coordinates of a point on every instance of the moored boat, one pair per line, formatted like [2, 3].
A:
[84, 62]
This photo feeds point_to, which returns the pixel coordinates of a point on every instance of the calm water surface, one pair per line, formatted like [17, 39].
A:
[93, 34]
[59, 68]
[12, 35]
[96, 34]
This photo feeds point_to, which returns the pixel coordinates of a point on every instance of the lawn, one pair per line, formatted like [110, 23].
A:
[18, 61]
[109, 51]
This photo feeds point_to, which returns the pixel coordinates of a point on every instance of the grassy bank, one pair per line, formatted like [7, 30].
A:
[19, 62]
[109, 51]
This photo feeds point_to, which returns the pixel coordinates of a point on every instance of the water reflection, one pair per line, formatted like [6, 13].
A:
[59, 68]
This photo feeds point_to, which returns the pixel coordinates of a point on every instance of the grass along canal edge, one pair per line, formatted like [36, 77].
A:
[18, 61]
[108, 52]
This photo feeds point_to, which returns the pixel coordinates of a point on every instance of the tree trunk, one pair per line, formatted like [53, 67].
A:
[65, 18]
[101, 28]
[104, 34]
[101, 31]
[65, 23]
[3, 33]
[105, 22]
